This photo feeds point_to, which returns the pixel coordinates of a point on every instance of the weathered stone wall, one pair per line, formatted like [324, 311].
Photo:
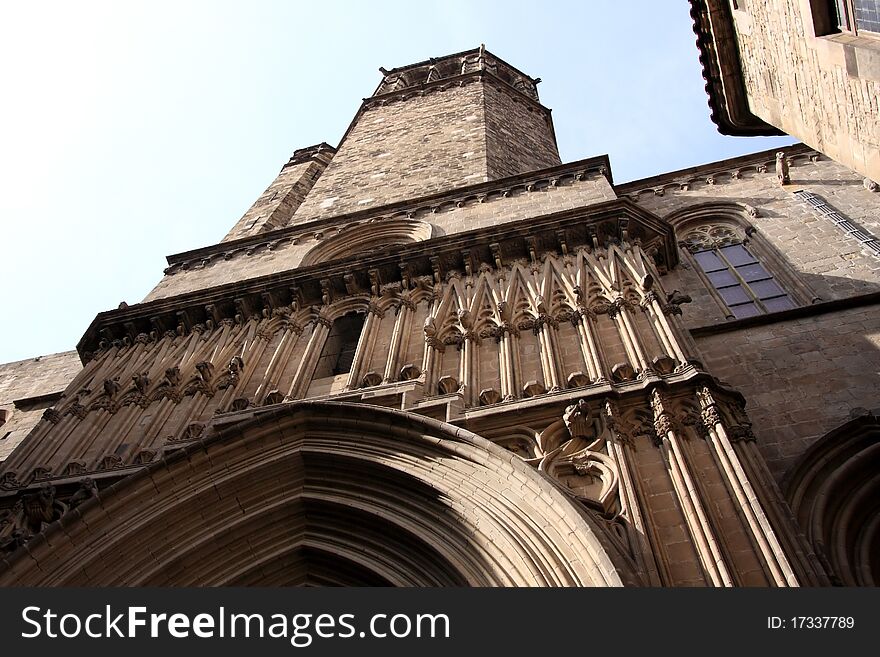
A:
[31, 379]
[801, 378]
[275, 206]
[404, 149]
[502, 206]
[829, 262]
[443, 138]
[824, 90]
[519, 133]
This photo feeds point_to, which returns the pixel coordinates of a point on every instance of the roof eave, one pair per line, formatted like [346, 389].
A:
[722, 71]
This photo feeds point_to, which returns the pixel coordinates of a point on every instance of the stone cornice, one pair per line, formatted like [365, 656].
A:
[46, 398]
[428, 262]
[717, 173]
[459, 56]
[722, 71]
[322, 151]
[632, 392]
[452, 82]
[563, 174]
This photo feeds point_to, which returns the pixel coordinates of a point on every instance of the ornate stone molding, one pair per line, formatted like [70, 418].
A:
[451, 70]
[418, 209]
[598, 226]
[718, 173]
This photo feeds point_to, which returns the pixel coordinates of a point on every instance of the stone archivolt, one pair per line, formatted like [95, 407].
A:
[355, 240]
[833, 492]
[432, 502]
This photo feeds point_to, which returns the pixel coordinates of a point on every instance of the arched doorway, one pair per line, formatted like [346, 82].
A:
[834, 492]
[316, 493]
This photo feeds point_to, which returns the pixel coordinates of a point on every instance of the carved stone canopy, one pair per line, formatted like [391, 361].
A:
[612, 222]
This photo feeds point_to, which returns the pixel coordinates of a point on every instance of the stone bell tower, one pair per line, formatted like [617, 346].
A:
[444, 123]
[441, 262]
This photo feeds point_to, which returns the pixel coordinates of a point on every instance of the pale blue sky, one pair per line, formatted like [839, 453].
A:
[132, 130]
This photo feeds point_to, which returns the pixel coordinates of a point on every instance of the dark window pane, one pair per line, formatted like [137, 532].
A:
[709, 261]
[734, 295]
[779, 303]
[338, 352]
[737, 255]
[867, 15]
[839, 14]
[766, 289]
[745, 310]
[722, 278]
[753, 272]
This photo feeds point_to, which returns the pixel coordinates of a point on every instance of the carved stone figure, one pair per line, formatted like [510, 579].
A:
[205, 369]
[578, 420]
[782, 174]
[87, 489]
[141, 382]
[111, 387]
[172, 375]
[41, 508]
[674, 301]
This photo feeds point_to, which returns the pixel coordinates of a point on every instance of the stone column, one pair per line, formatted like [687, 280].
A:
[620, 447]
[769, 519]
[405, 313]
[303, 376]
[251, 353]
[541, 326]
[664, 332]
[289, 338]
[366, 344]
[434, 349]
[780, 571]
[507, 367]
[696, 516]
[617, 312]
[469, 354]
[590, 345]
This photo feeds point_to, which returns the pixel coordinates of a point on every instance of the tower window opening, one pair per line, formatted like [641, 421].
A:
[337, 356]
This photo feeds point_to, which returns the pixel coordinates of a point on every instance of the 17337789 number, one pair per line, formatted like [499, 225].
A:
[811, 623]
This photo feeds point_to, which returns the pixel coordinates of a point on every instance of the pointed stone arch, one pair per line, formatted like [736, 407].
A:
[726, 223]
[834, 492]
[327, 493]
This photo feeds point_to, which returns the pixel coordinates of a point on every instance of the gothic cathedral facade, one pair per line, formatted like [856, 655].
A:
[438, 356]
